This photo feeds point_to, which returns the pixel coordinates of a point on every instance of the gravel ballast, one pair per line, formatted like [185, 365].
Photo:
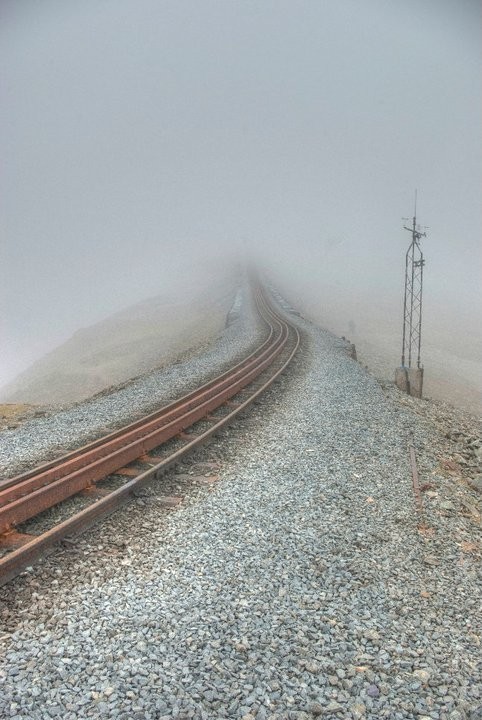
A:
[295, 579]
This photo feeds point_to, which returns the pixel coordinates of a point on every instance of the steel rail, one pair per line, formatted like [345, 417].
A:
[213, 394]
[29, 501]
[77, 458]
[17, 498]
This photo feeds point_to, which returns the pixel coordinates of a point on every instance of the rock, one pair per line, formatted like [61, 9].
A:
[373, 691]
[332, 707]
[476, 482]
[358, 710]
[169, 501]
[446, 505]
[315, 709]
[422, 675]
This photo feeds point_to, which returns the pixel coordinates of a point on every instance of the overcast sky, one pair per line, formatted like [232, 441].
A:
[141, 139]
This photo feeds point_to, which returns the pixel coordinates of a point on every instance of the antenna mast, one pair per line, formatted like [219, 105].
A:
[412, 307]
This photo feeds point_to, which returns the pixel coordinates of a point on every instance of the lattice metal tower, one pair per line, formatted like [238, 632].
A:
[412, 303]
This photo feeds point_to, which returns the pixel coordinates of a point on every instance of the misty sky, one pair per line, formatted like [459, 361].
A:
[142, 140]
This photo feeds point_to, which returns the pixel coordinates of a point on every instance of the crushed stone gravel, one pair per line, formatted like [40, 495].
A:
[292, 580]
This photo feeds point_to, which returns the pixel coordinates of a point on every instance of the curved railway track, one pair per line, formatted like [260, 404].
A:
[108, 471]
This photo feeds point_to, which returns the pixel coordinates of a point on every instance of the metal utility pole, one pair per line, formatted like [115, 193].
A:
[410, 377]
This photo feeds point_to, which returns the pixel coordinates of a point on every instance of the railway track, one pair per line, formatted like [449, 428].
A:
[105, 473]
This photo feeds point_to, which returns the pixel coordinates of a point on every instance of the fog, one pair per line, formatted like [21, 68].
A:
[144, 142]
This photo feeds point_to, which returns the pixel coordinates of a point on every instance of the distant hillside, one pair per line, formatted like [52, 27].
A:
[133, 341]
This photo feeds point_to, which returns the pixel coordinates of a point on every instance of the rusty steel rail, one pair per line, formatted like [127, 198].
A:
[27, 495]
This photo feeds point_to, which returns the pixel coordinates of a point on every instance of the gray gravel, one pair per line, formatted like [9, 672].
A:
[293, 584]
[42, 438]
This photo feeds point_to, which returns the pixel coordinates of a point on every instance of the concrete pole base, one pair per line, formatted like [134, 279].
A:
[409, 380]
[401, 379]
[415, 379]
